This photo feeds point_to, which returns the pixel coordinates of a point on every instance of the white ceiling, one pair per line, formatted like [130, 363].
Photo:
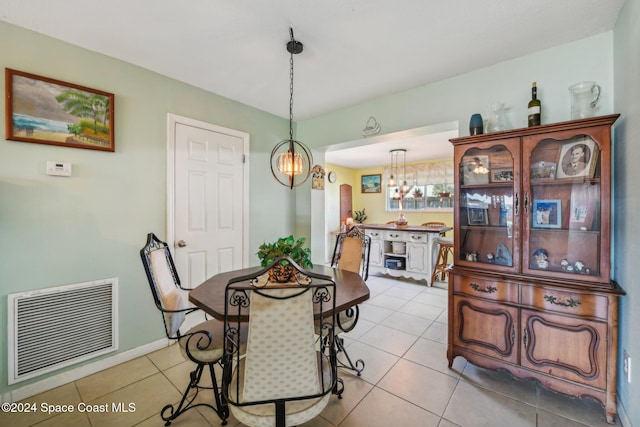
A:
[354, 50]
[427, 143]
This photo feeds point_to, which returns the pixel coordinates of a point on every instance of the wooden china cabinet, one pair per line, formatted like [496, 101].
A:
[530, 289]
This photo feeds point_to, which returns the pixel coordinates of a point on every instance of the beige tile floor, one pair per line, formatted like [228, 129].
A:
[401, 336]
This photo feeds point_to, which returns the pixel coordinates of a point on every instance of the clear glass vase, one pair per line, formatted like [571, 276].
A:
[498, 119]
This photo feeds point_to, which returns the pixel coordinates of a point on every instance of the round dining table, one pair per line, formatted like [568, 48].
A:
[209, 296]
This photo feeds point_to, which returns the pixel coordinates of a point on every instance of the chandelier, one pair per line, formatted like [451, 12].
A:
[479, 168]
[290, 159]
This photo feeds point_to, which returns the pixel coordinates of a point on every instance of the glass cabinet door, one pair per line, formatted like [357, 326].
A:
[562, 207]
[487, 210]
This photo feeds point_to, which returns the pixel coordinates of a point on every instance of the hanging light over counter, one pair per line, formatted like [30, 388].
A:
[395, 181]
[291, 160]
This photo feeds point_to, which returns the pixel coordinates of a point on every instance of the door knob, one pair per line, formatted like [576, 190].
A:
[182, 243]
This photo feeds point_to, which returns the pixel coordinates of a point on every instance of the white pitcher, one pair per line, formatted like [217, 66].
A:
[584, 98]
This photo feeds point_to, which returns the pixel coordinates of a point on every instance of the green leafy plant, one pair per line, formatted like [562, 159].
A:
[417, 192]
[360, 216]
[285, 246]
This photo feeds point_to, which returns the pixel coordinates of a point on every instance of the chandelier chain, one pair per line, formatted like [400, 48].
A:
[291, 92]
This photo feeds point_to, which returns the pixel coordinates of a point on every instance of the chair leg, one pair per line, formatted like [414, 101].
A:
[442, 261]
[358, 367]
[170, 413]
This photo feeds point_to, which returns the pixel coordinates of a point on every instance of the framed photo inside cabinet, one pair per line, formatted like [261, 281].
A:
[477, 216]
[474, 170]
[546, 214]
[543, 170]
[47, 111]
[583, 207]
[371, 183]
[501, 175]
[577, 158]
[581, 214]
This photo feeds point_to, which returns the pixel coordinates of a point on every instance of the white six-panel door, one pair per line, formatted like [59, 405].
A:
[209, 193]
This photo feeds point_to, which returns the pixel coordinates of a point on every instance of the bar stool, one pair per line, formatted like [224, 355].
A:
[442, 261]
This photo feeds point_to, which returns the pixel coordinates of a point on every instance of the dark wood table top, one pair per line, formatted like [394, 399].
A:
[209, 296]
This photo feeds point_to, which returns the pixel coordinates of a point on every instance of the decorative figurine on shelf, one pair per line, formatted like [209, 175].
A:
[578, 266]
[541, 258]
[503, 256]
[490, 257]
[564, 264]
[473, 257]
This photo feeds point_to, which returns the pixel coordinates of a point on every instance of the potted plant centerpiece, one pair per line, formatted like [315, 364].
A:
[360, 216]
[284, 246]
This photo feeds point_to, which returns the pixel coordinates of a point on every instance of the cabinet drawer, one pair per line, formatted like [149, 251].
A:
[394, 236]
[566, 302]
[374, 234]
[416, 237]
[488, 289]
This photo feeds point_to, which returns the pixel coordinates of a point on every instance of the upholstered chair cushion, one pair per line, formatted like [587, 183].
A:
[351, 255]
[166, 288]
[273, 368]
[297, 411]
[211, 350]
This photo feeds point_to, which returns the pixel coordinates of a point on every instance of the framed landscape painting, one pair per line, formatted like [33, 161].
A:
[371, 183]
[47, 111]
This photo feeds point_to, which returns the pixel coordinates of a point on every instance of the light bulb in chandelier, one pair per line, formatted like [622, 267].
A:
[391, 182]
[291, 163]
[480, 168]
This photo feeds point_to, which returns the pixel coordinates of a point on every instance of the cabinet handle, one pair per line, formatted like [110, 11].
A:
[570, 302]
[524, 338]
[394, 235]
[513, 335]
[416, 237]
[516, 204]
[526, 202]
[486, 289]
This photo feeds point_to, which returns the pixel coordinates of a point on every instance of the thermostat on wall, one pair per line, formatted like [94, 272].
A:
[58, 168]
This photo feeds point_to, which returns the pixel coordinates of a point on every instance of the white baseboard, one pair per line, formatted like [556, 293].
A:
[622, 415]
[81, 371]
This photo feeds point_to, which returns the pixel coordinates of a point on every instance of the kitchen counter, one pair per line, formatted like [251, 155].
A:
[403, 251]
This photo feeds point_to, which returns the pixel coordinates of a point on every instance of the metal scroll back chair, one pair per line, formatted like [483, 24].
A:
[202, 344]
[351, 253]
[288, 372]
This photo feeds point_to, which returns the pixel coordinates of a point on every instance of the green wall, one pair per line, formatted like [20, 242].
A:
[56, 231]
[626, 195]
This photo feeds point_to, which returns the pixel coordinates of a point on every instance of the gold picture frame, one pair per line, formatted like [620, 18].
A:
[47, 111]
